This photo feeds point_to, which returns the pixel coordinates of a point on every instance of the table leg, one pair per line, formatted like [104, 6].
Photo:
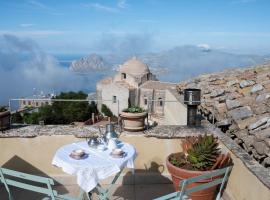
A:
[103, 193]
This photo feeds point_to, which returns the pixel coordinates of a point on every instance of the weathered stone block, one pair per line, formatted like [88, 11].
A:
[217, 92]
[246, 83]
[262, 135]
[232, 104]
[261, 109]
[243, 124]
[247, 100]
[241, 113]
[248, 140]
[256, 88]
[254, 131]
[232, 82]
[262, 97]
[241, 134]
[261, 148]
[224, 122]
[258, 123]
[244, 91]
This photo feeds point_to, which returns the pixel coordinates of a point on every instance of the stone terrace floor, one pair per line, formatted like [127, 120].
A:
[119, 192]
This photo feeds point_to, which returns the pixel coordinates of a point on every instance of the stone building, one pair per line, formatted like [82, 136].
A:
[134, 84]
[36, 101]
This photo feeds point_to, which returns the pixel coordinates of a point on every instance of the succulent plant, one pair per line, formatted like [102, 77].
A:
[203, 153]
[199, 153]
[134, 109]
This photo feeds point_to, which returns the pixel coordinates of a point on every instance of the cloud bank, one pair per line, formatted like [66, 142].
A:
[23, 66]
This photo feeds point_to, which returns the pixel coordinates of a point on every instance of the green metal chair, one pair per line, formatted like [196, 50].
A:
[184, 192]
[18, 179]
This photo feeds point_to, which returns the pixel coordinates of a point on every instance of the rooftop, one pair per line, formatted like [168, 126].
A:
[238, 100]
[157, 85]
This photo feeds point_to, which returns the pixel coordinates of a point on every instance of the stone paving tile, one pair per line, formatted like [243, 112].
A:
[19, 194]
[120, 192]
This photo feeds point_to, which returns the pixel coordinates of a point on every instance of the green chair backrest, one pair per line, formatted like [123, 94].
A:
[17, 179]
[219, 179]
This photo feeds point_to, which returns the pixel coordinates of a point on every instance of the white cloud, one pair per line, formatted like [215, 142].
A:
[37, 4]
[238, 34]
[122, 4]
[34, 33]
[23, 66]
[204, 46]
[101, 7]
[26, 25]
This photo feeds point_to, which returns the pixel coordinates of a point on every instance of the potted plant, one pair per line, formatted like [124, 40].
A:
[4, 118]
[200, 155]
[134, 118]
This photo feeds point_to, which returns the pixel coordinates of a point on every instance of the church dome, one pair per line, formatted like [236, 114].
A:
[134, 66]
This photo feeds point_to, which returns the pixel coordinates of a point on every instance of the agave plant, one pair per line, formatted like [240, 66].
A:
[203, 152]
[200, 153]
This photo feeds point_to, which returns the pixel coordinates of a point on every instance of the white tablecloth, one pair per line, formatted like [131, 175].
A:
[97, 166]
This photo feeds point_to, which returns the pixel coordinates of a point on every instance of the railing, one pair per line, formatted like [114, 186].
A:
[155, 108]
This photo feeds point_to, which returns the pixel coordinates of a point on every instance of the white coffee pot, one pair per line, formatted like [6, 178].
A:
[112, 144]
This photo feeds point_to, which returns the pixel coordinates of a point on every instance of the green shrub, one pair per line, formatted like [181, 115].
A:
[3, 109]
[64, 112]
[134, 109]
[106, 111]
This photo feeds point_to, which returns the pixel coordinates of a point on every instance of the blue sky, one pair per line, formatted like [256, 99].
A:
[85, 26]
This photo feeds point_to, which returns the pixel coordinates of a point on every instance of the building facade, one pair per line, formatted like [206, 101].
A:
[134, 84]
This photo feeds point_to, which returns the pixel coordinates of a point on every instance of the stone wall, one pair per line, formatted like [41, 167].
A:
[238, 101]
[122, 95]
[175, 112]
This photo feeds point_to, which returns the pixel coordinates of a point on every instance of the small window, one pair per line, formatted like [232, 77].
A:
[160, 101]
[114, 99]
[145, 101]
[124, 76]
[147, 76]
[37, 104]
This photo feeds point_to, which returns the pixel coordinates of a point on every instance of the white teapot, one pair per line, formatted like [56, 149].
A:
[112, 144]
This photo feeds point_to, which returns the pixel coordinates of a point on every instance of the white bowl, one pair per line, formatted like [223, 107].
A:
[117, 151]
[78, 152]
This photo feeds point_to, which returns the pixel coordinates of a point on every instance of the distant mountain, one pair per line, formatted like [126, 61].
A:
[189, 61]
[88, 64]
[175, 64]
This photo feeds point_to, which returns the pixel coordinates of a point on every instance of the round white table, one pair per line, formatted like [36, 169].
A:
[97, 165]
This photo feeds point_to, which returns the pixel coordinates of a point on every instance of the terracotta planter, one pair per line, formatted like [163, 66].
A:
[133, 121]
[179, 174]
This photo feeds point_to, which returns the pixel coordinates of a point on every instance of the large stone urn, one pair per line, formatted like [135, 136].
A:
[4, 120]
[133, 121]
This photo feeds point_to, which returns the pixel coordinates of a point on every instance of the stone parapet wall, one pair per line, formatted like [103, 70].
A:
[238, 101]
[30, 131]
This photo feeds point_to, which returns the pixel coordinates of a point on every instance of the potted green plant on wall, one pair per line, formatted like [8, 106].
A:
[134, 118]
[200, 155]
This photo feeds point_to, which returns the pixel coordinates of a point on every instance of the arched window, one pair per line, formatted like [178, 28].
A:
[160, 102]
[148, 76]
[124, 75]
